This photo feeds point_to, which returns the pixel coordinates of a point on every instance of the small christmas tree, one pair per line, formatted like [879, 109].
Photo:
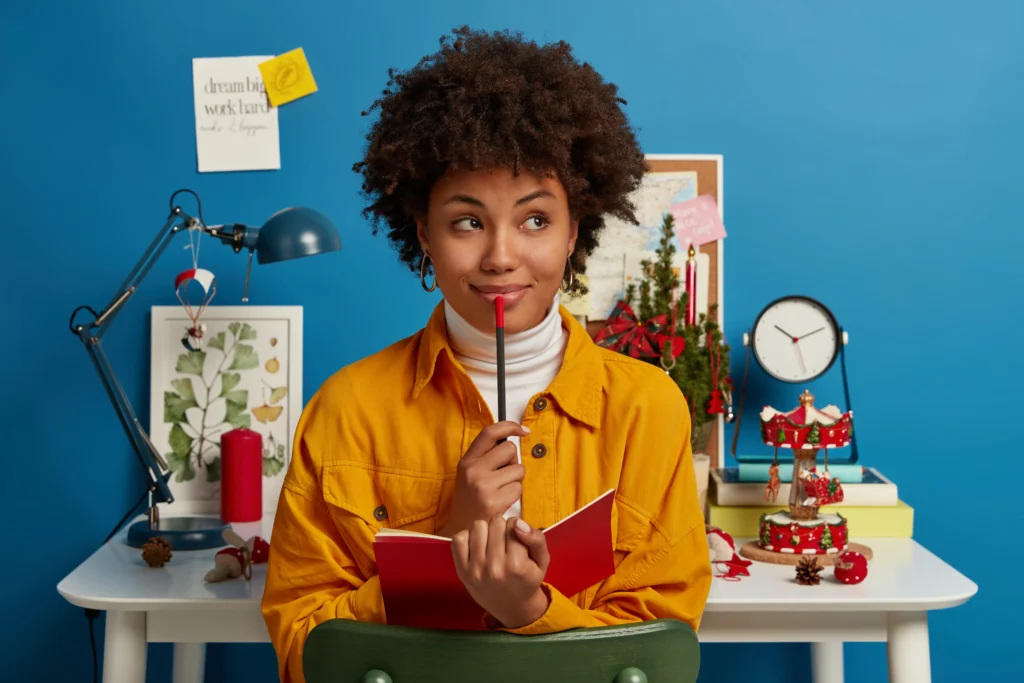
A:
[826, 538]
[693, 369]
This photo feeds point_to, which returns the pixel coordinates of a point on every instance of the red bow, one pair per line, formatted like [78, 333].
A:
[624, 333]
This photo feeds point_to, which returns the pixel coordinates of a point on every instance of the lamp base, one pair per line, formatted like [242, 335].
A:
[190, 532]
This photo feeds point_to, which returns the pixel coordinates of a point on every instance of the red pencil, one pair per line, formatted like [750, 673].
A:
[499, 330]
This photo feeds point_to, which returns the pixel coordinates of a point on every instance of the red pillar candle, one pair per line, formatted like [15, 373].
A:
[691, 287]
[241, 476]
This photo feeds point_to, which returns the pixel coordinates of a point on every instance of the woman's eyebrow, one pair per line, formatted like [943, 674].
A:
[536, 194]
[464, 199]
[526, 199]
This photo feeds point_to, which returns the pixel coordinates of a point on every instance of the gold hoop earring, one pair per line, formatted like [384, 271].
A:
[564, 288]
[423, 275]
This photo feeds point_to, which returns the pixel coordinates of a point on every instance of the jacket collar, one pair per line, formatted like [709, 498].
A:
[577, 388]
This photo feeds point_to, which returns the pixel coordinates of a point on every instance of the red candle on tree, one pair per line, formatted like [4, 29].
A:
[691, 287]
[241, 476]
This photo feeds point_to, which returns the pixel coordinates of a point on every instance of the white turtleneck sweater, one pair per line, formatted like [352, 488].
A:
[532, 359]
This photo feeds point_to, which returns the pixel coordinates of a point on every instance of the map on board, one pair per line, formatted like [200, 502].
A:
[606, 267]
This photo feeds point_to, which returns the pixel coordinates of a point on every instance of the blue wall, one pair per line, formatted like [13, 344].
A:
[871, 161]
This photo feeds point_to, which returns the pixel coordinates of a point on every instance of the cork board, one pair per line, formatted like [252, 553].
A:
[709, 181]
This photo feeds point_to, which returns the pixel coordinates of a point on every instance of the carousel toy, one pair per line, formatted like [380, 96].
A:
[786, 537]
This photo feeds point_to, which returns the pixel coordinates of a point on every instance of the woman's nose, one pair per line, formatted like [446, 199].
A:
[502, 252]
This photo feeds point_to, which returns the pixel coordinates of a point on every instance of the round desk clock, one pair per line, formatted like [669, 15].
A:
[795, 339]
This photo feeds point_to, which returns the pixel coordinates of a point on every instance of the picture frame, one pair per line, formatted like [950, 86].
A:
[246, 373]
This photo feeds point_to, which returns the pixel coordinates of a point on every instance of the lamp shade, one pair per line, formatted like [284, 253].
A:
[294, 233]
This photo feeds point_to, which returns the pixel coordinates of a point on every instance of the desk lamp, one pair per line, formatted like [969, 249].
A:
[288, 234]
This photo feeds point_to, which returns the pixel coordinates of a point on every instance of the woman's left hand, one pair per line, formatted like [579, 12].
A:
[502, 566]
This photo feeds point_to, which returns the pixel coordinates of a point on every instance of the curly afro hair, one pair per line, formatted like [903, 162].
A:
[495, 99]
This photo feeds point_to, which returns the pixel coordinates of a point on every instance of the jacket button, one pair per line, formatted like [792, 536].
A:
[381, 513]
[539, 451]
[540, 404]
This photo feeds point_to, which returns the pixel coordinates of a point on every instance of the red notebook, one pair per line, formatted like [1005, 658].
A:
[421, 588]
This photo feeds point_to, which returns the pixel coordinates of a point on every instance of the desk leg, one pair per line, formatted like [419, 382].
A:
[189, 662]
[827, 662]
[909, 654]
[124, 647]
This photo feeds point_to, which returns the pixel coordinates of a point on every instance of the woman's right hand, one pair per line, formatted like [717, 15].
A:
[489, 478]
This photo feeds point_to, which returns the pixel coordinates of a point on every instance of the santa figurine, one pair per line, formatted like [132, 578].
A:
[722, 551]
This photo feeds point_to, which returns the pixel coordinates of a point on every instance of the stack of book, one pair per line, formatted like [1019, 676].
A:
[871, 502]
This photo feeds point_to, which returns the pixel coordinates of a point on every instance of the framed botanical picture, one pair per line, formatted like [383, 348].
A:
[246, 373]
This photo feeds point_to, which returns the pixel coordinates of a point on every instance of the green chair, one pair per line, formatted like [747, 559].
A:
[346, 651]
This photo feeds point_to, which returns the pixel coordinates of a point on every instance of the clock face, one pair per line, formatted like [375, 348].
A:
[795, 339]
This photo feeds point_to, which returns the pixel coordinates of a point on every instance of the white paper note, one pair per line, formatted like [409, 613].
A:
[236, 128]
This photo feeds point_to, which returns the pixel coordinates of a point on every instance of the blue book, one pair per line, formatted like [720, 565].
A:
[758, 471]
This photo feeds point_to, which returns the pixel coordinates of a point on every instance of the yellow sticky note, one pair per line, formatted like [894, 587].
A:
[287, 77]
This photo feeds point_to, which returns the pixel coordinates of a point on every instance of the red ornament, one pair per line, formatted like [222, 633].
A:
[260, 550]
[715, 405]
[851, 567]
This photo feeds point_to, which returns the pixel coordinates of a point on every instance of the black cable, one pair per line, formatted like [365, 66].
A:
[71, 323]
[199, 204]
[90, 613]
[846, 394]
[126, 516]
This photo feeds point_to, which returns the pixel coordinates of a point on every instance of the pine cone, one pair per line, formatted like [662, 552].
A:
[807, 571]
[156, 552]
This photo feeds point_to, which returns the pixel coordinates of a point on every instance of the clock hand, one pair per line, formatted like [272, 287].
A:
[800, 355]
[786, 333]
[810, 333]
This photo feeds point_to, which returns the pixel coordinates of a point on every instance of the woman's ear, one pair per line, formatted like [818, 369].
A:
[421, 234]
[574, 232]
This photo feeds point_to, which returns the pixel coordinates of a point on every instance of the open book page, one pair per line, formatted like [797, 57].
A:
[384, 534]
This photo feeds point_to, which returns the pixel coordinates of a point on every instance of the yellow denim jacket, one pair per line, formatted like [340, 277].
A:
[378, 445]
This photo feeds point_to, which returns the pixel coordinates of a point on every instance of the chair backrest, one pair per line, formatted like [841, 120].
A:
[346, 651]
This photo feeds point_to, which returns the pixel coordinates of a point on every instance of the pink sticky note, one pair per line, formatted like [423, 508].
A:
[697, 221]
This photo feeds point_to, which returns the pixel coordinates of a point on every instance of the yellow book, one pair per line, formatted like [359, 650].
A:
[893, 521]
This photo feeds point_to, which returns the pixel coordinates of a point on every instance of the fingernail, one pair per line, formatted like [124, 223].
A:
[525, 428]
[523, 526]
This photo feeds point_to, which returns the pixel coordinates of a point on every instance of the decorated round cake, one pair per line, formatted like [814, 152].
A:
[824, 535]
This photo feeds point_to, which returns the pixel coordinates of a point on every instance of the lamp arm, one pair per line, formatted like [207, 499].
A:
[176, 222]
[91, 333]
[157, 472]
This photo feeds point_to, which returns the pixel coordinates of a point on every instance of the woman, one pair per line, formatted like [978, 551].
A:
[491, 166]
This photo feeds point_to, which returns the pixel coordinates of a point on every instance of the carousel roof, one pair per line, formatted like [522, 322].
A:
[804, 415]
[806, 426]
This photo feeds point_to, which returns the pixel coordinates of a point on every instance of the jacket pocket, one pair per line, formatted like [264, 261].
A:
[383, 498]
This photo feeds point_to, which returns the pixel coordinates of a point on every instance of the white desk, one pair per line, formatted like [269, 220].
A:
[174, 605]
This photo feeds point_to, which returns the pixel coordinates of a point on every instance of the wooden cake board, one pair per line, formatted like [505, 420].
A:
[752, 551]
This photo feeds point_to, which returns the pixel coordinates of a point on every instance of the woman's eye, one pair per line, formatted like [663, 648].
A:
[467, 224]
[535, 223]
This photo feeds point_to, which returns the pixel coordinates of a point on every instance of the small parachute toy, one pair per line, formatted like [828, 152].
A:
[193, 339]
